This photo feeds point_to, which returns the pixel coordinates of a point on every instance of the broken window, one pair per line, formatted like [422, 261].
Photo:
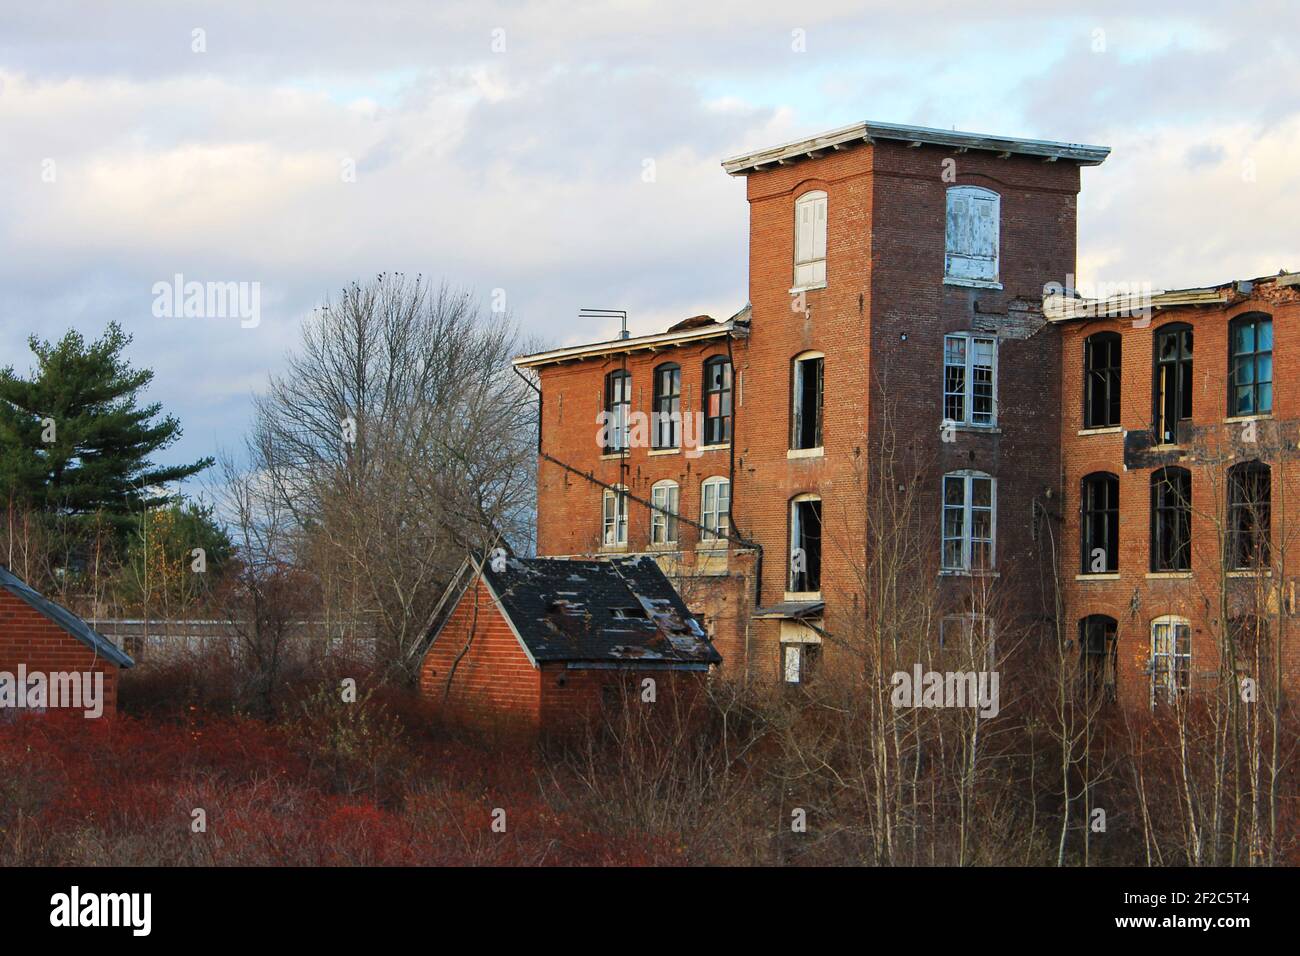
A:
[1097, 650]
[717, 401]
[971, 237]
[1171, 659]
[810, 240]
[806, 544]
[1173, 384]
[618, 401]
[1171, 520]
[1250, 369]
[968, 521]
[668, 406]
[664, 496]
[715, 508]
[799, 662]
[1101, 375]
[969, 379]
[1100, 524]
[1249, 506]
[615, 517]
[806, 395]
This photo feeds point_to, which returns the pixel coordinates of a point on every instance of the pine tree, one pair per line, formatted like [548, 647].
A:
[73, 440]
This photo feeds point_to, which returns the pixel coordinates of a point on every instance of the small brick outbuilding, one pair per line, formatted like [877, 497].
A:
[41, 641]
[535, 644]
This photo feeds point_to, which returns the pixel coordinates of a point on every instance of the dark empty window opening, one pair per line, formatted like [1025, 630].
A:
[1250, 391]
[1101, 371]
[799, 662]
[717, 401]
[1171, 520]
[1173, 385]
[806, 415]
[1097, 656]
[1249, 504]
[668, 406]
[1100, 524]
[806, 545]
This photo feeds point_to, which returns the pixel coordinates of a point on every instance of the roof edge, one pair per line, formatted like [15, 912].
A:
[637, 344]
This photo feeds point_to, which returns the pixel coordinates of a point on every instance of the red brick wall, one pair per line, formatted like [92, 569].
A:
[28, 637]
[572, 697]
[495, 684]
[1135, 597]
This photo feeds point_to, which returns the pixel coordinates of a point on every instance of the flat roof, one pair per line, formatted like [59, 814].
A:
[869, 131]
[640, 343]
[1066, 308]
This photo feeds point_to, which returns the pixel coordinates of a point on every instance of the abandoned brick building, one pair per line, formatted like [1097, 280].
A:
[897, 281]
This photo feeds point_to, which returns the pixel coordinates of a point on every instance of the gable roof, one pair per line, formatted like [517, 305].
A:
[61, 616]
[621, 612]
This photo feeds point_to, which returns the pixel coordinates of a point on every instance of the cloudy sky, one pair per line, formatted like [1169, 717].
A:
[301, 145]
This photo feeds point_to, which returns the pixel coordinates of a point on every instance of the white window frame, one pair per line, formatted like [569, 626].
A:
[663, 527]
[972, 258]
[967, 508]
[715, 512]
[1165, 686]
[968, 365]
[810, 240]
[614, 517]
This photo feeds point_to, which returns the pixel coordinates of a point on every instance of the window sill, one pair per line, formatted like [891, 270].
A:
[959, 573]
[1247, 573]
[806, 453]
[972, 283]
[613, 456]
[1108, 576]
[613, 549]
[722, 447]
[967, 428]
[802, 596]
[1108, 430]
[1234, 419]
[655, 452]
[1168, 575]
[795, 290]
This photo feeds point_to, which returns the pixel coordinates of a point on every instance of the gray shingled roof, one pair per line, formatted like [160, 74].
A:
[621, 612]
[64, 618]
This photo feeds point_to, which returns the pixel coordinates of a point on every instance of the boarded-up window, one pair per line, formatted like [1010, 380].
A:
[810, 240]
[972, 234]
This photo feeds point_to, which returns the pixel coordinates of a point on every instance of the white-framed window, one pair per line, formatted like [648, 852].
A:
[970, 379]
[663, 527]
[971, 634]
[971, 239]
[969, 521]
[810, 240]
[715, 508]
[806, 375]
[615, 517]
[1171, 658]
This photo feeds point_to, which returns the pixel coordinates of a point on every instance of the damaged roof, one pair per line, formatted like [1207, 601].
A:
[61, 616]
[619, 612]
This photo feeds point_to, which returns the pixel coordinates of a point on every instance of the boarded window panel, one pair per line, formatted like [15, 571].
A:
[972, 234]
[792, 662]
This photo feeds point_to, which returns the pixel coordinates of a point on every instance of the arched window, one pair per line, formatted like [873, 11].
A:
[805, 543]
[971, 238]
[1173, 380]
[664, 496]
[806, 400]
[668, 406]
[618, 402]
[717, 401]
[1250, 493]
[1171, 520]
[715, 508]
[1101, 380]
[969, 519]
[810, 240]
[614, 531]
[1097, 655]
[1099, 524]
[1250, 364]
[1171, 659]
